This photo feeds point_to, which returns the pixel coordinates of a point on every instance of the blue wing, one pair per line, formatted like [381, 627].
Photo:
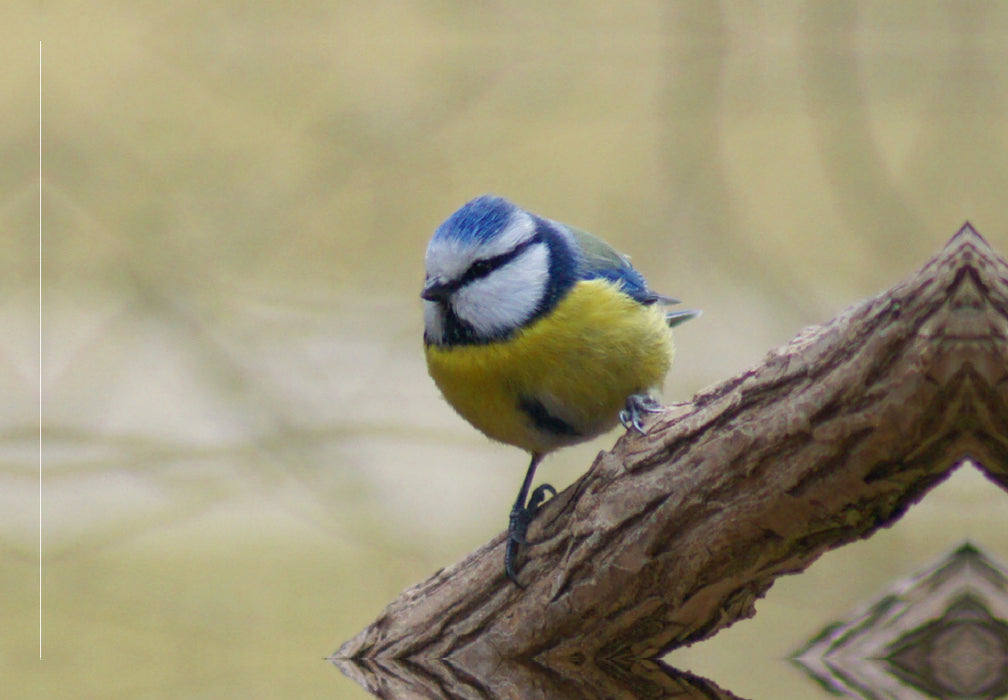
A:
[601, 260]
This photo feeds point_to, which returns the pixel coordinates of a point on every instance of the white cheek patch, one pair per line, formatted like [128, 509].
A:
[508, 296]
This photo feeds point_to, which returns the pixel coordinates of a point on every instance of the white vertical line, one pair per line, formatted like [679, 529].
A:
[40, 349]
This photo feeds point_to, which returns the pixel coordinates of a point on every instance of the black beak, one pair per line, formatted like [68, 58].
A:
[436, 289]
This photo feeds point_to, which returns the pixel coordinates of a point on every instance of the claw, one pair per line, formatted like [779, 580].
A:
[636, 406]
[518, 524]
[509, 556]
[537, 498]
[521, 516]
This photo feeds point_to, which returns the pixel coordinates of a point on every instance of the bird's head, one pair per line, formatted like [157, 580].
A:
[491, 268]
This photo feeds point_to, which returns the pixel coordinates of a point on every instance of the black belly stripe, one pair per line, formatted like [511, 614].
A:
[543, 419]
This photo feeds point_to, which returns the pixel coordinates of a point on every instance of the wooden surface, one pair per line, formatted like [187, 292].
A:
[674, 535]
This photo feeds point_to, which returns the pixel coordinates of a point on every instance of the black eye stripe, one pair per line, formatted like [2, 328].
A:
[482, 268]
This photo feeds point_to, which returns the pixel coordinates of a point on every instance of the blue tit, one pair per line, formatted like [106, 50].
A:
[540, 335]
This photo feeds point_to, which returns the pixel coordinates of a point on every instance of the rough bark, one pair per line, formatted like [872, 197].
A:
[674, 535]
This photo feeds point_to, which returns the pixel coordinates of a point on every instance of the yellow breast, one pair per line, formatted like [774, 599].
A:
[579, 363]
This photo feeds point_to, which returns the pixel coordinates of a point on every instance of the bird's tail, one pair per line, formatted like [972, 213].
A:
[674, 318]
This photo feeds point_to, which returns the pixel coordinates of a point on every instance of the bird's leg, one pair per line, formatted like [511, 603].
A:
[521, 516]
[636, 406]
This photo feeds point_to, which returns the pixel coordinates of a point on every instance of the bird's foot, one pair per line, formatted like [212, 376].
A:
[518, 524]
[637, 405]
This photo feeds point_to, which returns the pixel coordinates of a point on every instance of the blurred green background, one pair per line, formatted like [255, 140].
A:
[244, 459]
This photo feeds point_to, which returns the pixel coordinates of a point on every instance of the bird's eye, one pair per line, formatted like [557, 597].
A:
[480, 268]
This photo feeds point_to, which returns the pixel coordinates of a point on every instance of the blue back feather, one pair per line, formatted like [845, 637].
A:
[599, 260]
[630, 281]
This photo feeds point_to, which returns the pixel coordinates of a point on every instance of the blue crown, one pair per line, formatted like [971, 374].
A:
[478, 220]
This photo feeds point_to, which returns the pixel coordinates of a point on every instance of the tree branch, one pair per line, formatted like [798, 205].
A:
[674, 535]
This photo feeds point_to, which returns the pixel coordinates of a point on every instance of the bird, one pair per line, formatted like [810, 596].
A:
[540, 335]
